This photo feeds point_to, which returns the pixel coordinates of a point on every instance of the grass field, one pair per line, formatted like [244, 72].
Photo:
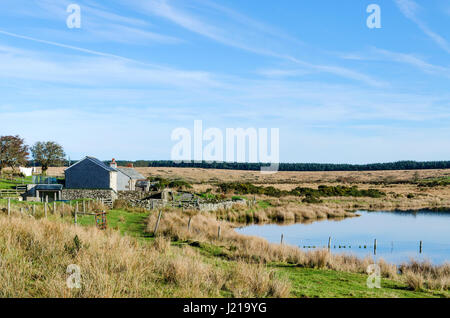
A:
[11, 184]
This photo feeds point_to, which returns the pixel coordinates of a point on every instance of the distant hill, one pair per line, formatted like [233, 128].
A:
[399, 165]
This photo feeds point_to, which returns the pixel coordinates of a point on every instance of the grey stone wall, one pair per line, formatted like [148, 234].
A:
[225, 205]
[150, 204]
[74, 194]
[135, 195]
[147, 204]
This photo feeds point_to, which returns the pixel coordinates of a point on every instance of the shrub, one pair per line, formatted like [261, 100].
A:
[311, 199]
[322, 191]
[74, 247]
[161, 183]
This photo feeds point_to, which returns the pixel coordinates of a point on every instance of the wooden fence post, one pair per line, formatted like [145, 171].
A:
[218, 233]
[282, 237]
[420, 247]
[45, 209]
[76, 214]
[84, 206]
[157, 223]
[34, 209]
[189, 224]
[54, 207]
[9, 206]
[329, 243]
[375, 247]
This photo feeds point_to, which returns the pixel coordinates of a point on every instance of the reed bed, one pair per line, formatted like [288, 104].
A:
[282, 212]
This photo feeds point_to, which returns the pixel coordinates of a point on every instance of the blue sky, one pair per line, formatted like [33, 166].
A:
[136, 70]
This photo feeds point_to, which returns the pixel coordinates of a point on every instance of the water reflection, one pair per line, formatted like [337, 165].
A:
[397, 234]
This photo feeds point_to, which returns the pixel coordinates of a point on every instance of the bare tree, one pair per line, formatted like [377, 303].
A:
[13, 152]
[48, 154]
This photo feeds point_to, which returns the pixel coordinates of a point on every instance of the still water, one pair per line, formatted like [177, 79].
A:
[398, 235]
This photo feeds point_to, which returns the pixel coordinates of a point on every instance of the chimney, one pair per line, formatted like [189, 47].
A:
[113, 163]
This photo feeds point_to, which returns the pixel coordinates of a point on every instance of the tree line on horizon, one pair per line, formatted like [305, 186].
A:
[15, 153]
[399, 165]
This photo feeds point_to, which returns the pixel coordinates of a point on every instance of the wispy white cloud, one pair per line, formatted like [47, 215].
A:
[234, 29]
[103, 80]
[308, 68]
[280, 73]
[241, 32]
[410, 9]
[99, 69]
[377, 54]
[195, 24]
[99, 23]
[65, 46]
[414, 61]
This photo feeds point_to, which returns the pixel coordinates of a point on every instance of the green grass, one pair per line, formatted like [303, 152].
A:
[263, 204]
[7, 184]
[441, 181]
[313, 283]
[11, 184]
[128, 223]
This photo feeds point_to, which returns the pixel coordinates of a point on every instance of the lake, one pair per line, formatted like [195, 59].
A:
[398, 235]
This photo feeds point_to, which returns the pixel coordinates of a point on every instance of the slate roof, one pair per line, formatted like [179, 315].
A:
[96, 161]
[49, 187]
[130, 172]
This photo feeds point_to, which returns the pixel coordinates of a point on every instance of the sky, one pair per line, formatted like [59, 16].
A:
[135, 70]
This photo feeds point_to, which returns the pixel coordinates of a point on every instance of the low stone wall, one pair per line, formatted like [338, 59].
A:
[134, 195]
[147, 204]
[194, 205]
[75, 194]
[225, 205]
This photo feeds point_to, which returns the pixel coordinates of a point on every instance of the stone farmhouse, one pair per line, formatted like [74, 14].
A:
[91, 178]
[91, 173]
[87, 178]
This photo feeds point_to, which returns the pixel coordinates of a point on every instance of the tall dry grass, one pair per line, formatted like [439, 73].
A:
[420, 275]
[25, 209]
[34, 255]
[204, 228]
[283, 211]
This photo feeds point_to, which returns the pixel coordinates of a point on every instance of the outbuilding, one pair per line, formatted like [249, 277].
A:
[126, 177]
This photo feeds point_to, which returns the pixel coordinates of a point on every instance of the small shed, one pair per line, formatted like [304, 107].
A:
[48, 192]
